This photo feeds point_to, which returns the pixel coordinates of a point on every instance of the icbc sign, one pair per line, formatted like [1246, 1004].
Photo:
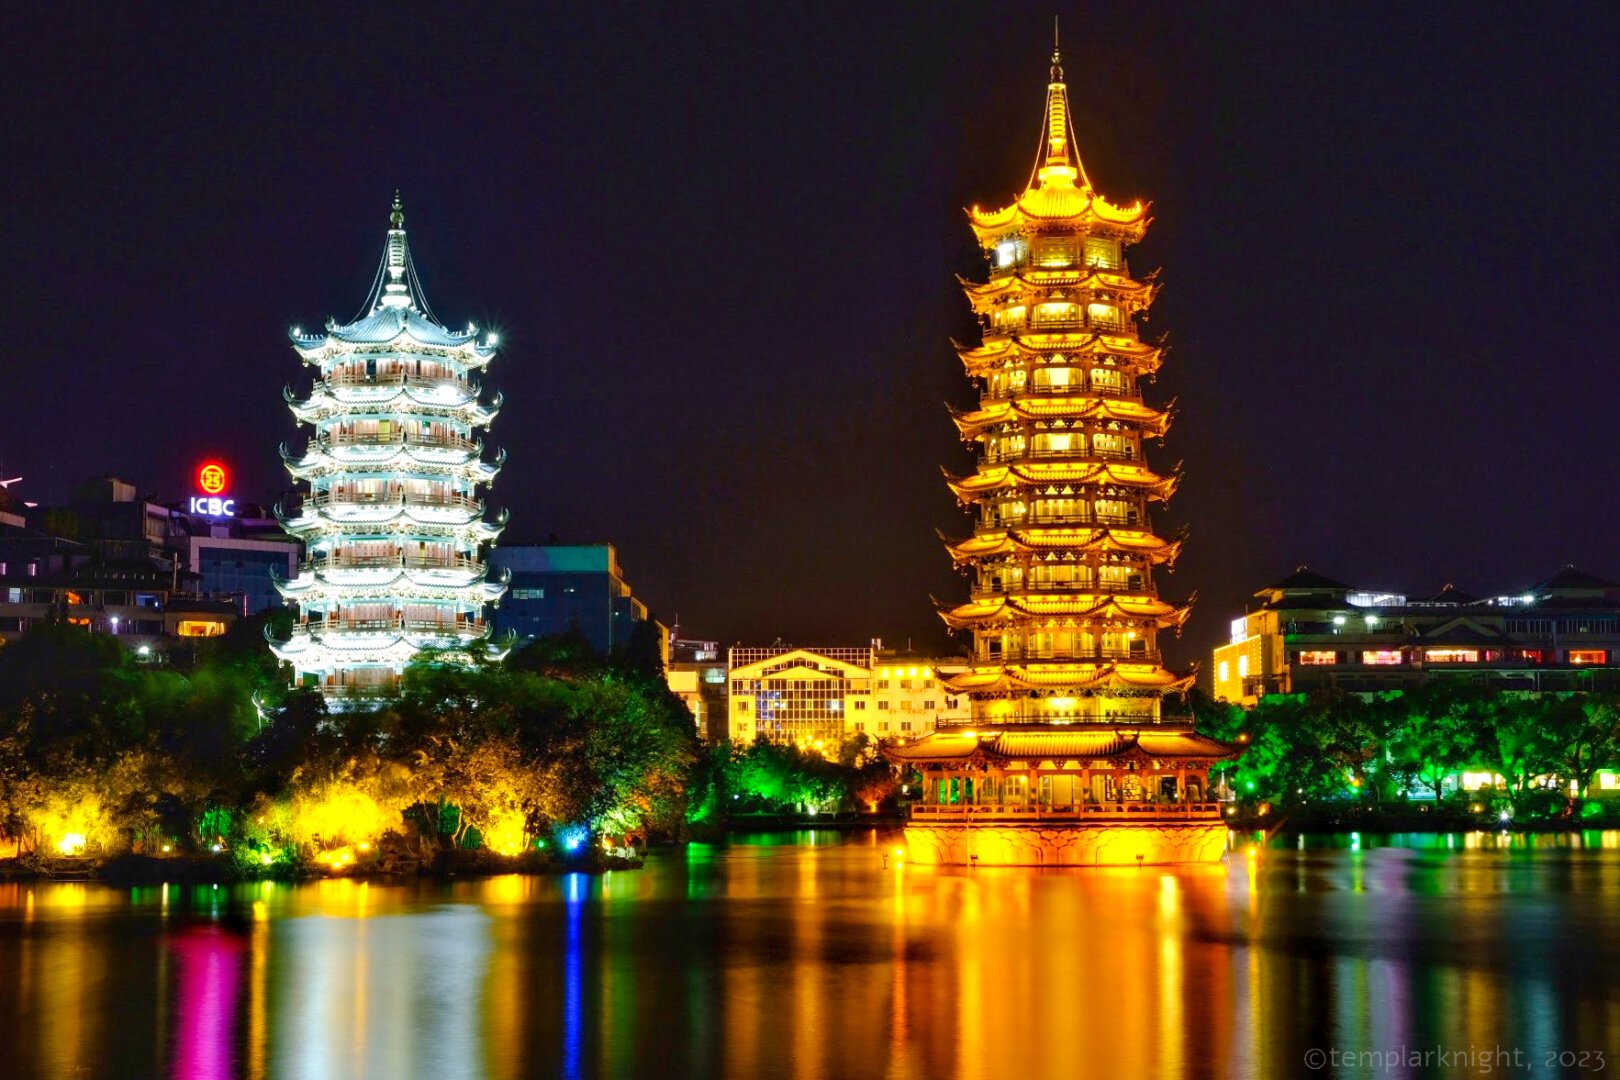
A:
[211, 477]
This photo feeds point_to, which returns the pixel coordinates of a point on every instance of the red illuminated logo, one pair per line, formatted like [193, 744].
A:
[211, 478]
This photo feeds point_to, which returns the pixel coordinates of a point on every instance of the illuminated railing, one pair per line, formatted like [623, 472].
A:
[438, 442]
[1111, 718]
[1069, 656]
[1067, 390]
[386, 562]
[397, 622]
[1083, 324]
[1078, 453]
[1103, 811]
[363, 500]
[1009, 519]
[1015, 588]
[426, 382]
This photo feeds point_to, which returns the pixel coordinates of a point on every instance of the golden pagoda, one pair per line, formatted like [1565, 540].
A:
[1069, 757]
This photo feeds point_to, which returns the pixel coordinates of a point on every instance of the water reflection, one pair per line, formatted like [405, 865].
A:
[799, 959]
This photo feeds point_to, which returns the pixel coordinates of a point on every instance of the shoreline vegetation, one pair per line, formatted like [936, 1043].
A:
[555, 760]
[559, 760]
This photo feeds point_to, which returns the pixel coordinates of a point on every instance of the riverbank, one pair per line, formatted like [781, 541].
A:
[1419, 819]
[198, 869]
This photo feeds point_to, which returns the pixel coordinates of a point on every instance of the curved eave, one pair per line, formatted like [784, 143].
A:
[972, 423]
[1021, 607]
[1073, 677]
[1054, 205]
[1041, 474]
[1042, 282]
[996, 352]
[1037, 540]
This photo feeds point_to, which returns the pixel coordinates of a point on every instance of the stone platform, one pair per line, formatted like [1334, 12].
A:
[1078, 843]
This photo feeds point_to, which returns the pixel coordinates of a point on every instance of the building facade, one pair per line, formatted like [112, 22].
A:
[558, 588]
[1066, 684]
[391, 517]
[697, 675]
[816, 699]
[108, 560]
[1310, 632]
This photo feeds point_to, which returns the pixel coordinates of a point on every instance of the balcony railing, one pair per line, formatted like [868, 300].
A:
[437, 442]
[1077, 453]
[1105, 811]
[387, 562]
[1081, 325]
[1067, 390]
[397, 622]
[327, 499]
[1013, 588]
[427, 382]
[1010, 520]
[1074, 656]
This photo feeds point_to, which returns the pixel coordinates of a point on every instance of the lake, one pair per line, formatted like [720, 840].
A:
[818, 954]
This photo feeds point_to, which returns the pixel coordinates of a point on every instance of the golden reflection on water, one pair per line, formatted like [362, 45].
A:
[800, 960]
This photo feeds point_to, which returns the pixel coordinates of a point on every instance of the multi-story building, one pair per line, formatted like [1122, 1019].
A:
[105, 561]
[558, 588]
[1309, 632]
[1066, 681]
[817, 698]
[697, 675]
[392, 522]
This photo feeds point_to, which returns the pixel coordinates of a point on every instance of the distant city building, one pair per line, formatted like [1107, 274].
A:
[1310, 632]
[556, 588]
[697, 675]
[392, 521]
[817, 698]
[109, 561]
[232, 548]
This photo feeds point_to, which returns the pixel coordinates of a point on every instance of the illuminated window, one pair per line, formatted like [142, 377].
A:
[1006, 253]
[1318, 657]
[1243, 667]
[200, 628]
[1105, 316]
[1588, 656]
[1451, 656]
[1224, 672]
[1378, 657]
[1101, 252]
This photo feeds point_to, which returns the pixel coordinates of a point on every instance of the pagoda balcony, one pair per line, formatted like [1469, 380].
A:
[423, 382]
[1068, 656]
[397, 622]
[1016, 588]
[1088, 812]
[1112, 719]
[1012, 521]
[361, 500]
[437, 442]
[1073, 390]
[389, 562]
[1082, 325]
[1077, 454]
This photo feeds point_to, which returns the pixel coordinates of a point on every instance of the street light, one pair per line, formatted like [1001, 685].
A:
[115, 624]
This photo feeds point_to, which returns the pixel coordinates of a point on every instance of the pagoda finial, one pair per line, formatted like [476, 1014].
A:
[397, 291]
[1058, 162]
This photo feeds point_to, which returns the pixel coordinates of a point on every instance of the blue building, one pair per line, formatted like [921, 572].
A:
[557, 587]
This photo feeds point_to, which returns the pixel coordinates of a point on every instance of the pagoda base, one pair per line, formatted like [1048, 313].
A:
[1079, 843]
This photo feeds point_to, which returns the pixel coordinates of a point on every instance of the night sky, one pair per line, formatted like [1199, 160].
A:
[719, 243]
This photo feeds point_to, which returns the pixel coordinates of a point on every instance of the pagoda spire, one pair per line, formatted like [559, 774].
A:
[1059, 161]
[397, 258]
